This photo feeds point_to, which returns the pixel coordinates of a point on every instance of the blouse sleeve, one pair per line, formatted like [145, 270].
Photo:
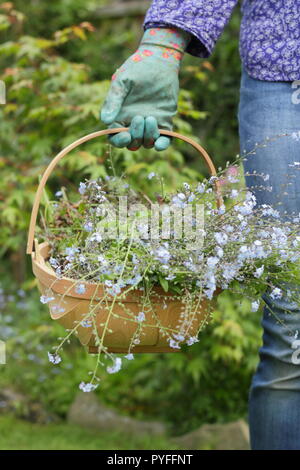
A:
[203, 19]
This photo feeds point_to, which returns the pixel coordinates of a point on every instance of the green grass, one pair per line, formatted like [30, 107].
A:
[21, 435]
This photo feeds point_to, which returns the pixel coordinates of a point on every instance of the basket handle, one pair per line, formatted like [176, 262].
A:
[91, 136]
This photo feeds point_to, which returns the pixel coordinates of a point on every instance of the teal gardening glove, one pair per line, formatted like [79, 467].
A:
[143, 94]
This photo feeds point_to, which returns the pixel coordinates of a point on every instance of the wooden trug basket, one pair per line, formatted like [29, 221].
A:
[69, 308]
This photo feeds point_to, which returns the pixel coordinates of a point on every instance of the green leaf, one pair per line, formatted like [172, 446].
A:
[164, 283]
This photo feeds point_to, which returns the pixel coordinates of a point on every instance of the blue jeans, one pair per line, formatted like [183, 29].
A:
[266, 110]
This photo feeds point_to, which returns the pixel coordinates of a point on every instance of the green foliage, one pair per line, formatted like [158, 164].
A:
[52, 102]
[47, 97]
[19, 435]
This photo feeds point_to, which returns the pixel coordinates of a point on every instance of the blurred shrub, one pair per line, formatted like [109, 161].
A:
[50, 103]
[207, 382]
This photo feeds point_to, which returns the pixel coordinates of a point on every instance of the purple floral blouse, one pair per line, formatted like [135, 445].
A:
[269, 33]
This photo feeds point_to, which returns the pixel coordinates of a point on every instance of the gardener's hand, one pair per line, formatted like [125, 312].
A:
[144, 91]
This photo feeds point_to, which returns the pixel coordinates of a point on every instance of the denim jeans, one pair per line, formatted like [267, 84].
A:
[267, 110]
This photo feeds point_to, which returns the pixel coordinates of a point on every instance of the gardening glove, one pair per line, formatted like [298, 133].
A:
[143, 94]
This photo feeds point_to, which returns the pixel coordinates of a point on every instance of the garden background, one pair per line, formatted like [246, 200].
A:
[56, 59]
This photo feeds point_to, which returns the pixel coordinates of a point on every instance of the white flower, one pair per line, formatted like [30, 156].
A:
[178, 336]
[250, 197]
[269, 211]
[283, 255]
[96, 237]
[257, 250]
[244, 209]
[221, 238]
[244, 252]
[259, 271]
[234, 193]
[129, 356]
[45, 299]
[296, 242]
[254, 306]
[82, 259]
[163, 255]
[229, 228]
[54, 263]
[212, 261]
[102, 260]
[200, 188]
[247, 207]
[219, 251]
[232, 179]
[210, 292]
[190, 265]
[141, 317]
[279, 238]
[113, 289]
[221, 210]
[264, 234]
[80, 289]
[70, 252]
[192, 340]
[82, 188]
[230, 271]
[88, 226]
[87, 387]
[57, 309]
[179, 200]
[276, 293]
[54, 358]
[151, 175]
[173, 344]
[115, 367]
